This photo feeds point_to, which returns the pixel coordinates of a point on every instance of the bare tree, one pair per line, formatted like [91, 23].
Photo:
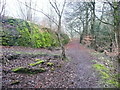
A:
[59, 14]
[25, 12]
[2, 7]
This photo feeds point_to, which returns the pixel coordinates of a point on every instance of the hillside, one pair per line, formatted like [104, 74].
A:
[18, 32]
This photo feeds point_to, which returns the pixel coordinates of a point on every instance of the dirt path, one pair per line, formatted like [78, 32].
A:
[85, 76]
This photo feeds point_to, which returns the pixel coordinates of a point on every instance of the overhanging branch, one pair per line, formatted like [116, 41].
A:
[103, 21]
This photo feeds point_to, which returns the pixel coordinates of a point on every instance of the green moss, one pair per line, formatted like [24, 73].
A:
[65, 38]
[94, 61]
[37, 59]
[17, 69]
[50, 64]
[104, 75]
[43, 69]
[117, 75]
[113, 83]
[96, 53]
[102, 58]
[29, 71]
[100, 67]
[52, 69]
[21, 35]
[38, 62]
[15, 82]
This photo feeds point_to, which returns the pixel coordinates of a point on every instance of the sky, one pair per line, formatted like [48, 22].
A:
[12, 6]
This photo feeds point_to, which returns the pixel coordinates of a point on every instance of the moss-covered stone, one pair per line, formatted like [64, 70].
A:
[50, 64]
[38, 62]
[15, 82]
[43, 69]
[37, 59]
[28, 71]
[17, 69]
[52, 69]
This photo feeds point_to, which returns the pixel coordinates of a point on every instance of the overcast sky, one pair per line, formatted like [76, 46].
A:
[12, 8]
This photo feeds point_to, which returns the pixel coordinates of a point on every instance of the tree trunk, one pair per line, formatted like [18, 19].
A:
[118, 43]
[93, 43]
[63, 56]
[117, 25]
[85, 25]
[82, 34]
[119, 31]
[86, 21]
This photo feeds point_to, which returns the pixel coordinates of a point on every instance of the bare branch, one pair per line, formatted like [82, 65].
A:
[56, 10]
[103, 21]
[3, 6]
[56, 6]
[40, 12]
[21, 9]
[76, 31]
[110, 4]
[63, 7]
